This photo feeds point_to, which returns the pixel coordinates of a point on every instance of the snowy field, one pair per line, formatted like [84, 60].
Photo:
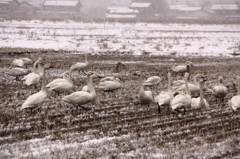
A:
[117, 127]
[159, 39]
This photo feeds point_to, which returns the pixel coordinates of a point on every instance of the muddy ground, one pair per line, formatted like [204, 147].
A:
[115, 114]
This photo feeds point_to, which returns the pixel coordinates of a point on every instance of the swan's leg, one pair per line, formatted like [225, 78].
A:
[87, 109]
[17, 78]
[84, 72]
[222, 100]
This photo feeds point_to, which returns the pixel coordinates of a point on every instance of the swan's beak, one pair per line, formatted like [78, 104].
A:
[135, 73]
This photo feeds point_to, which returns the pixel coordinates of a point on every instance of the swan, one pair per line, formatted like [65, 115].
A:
[64, 79]
[81, 97]
[110, 78]
[27, 61]
[17, 63]
[152, 81]
[17, 72]
[235, 100]
[200, 102]
[81, 65]
[145, 97]
[219, 91]
[37, 99]
[165, 97]
[64, 86]
[110, 86]
[86, 88]
[34, 77]
[193, 88]
[182, 100]
[182, 69]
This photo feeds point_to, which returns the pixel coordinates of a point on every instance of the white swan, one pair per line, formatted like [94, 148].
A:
[182, 69]
[152, 81]
[110, 78]
[82, 65]
[27, 61]
[34, 77]
[86, 88]
[81, 97]
[64, 86]
[193, 88]
[165, 97]
[145, 97]
[37, 99]
[64, 79]
[200, 102]
[182, 100]
[235, 100]
[17, 63]
[110, 86]
[17, 72]
[219, 91]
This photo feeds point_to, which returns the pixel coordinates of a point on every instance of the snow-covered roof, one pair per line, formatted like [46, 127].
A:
[61, 2]
[190, 8]
[140, 5]
[123, 10]
[119, 16]
[224, 7]
[177, 7]
[5, 1]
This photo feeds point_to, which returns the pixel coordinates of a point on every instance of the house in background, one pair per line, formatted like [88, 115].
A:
[225, 8]
[8, 5]
[62, 6]
[145, 9]
[121, 12]
[27, 8]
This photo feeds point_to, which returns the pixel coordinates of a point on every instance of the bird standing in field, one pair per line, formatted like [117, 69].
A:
[36, 100]
[220, 91]
[82, 65]
[145, 97]
[81, 97]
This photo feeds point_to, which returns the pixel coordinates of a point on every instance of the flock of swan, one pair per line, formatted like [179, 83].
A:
[177, 97]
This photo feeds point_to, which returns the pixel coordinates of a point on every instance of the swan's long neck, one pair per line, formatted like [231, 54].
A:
[65, 76]
[195, 80]
[238, 82]
[201, 102]
[44, 81]
[90, 85]
[35, 67]
[186, 86]
[169, 81]
[86, 61]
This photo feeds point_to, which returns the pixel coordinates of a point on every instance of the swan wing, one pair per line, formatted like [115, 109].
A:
[165, 98]
[181, 100]
[61, 87]
[80, 65]
[79, 97]
[179, 69]
[235, 102]
[152, 81]
[35, 100]
[56, 81]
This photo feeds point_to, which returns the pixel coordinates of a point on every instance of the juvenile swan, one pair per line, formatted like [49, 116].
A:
[182, 100]
[81, 97]
[37, 99]
[145, 97]
[235, 101]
